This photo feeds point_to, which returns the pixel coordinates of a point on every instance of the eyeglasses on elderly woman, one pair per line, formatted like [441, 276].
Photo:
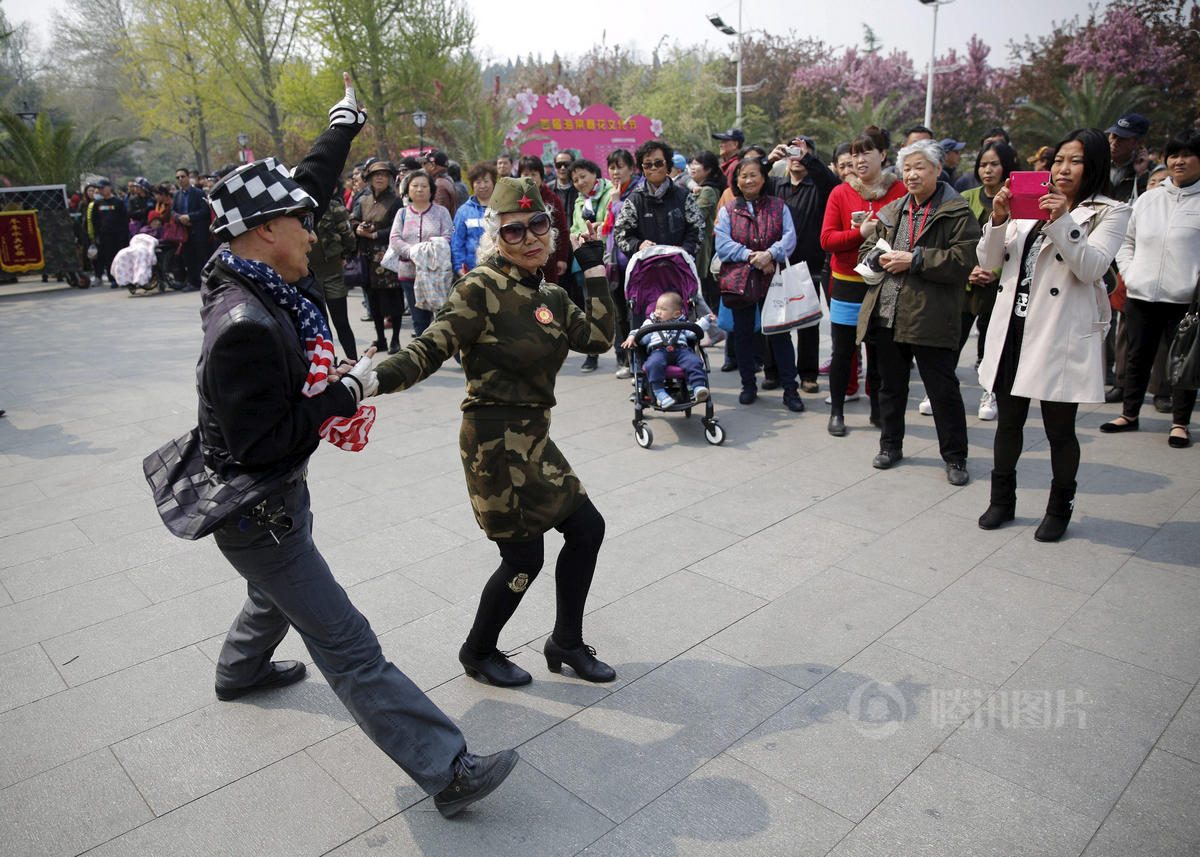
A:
[514, 232]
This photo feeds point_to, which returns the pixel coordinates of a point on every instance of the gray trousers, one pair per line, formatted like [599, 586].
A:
[289, 585]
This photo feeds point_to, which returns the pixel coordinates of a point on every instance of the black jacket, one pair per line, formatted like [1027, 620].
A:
[660, 220]
[252, 364]
[806, 201]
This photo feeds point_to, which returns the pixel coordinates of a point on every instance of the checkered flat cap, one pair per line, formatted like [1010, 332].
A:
[253, 194]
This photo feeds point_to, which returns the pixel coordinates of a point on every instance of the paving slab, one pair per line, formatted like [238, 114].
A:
[725, 809]
[289, 809]
[70, 808]
[986, 623]
[26, 675]
[1072, 725]
[949, 807]
[1141, 616]
[801, 640]
[623, 752]
[850, 740]
[530, 816]
[809, 632]
[1156, 816]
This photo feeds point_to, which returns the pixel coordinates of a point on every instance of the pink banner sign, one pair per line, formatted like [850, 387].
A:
[557, 121]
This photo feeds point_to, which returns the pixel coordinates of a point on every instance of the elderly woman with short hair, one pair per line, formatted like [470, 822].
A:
[914, 309]
[514, 330]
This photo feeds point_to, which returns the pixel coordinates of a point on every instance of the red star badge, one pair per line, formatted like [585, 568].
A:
[525, 202]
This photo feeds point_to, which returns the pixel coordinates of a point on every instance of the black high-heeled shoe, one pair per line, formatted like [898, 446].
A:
[493, 668]
[582, 659]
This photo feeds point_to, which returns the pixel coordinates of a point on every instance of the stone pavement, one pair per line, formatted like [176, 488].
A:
[814, 657]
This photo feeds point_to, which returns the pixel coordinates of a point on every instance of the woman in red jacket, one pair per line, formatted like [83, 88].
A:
[858, 199]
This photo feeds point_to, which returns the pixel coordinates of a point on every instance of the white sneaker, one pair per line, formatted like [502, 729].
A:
[624, 372]
[987, 406]
[925, 407]
[701, 394]
[852, 397]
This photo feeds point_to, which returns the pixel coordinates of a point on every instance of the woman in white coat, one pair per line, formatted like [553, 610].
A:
[1046, 338]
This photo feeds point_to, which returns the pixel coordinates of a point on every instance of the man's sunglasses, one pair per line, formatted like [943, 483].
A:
[514, 233]
[306, 220]
[654, 165]
[562, 165]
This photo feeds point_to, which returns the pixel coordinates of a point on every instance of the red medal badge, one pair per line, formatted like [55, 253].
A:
[543, 315]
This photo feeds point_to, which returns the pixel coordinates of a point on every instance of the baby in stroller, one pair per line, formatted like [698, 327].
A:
[672, 347]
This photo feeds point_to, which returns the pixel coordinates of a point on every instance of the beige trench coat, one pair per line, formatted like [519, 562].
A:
[1062, 351]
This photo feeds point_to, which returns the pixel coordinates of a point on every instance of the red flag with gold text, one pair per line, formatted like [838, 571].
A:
[20, 242]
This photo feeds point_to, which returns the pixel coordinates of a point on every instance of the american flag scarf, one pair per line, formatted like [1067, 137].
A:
[348, 433]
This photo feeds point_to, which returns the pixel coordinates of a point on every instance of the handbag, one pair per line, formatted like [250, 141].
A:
[1183, 357]
[355, 271]
[175, 233]
[390, 260]
[791, 302]
[725, 318]
[190, 499]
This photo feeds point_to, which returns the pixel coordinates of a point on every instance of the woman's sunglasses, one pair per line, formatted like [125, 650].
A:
[514, 233]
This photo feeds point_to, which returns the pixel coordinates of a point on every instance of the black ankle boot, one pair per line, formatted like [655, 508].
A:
[1003, 507]
[581, 658]
[493, 668]
[1058, 513]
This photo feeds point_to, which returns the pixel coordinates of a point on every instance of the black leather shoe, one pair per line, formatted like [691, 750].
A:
[792, 401]
[282, 674]
[475, 777]
[837, 425]
[747, 396]
[728, 366]
[956, 473]
[582, 659]
[590, 363]
[771, 382]
[493, 668]
[1114, 394]
[886, 458]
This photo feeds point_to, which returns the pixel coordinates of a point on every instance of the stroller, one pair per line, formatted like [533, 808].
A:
[650, 273]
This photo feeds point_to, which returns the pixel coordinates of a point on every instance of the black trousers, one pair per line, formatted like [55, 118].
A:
[936, 367]
[1149, 325]
[1058, 418]
[341, 324]
[520, 562]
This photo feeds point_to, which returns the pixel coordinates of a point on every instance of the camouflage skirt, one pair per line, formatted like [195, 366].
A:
[520, 484]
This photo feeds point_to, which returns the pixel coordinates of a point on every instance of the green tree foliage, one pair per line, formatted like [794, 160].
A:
[1091, 104]
[51, 153]
[403, 55]
[683, 93]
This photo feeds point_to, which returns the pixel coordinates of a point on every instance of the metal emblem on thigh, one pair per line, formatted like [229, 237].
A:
[519, 583]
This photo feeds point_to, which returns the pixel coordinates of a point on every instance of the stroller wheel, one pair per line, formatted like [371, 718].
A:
[714, 434]
[643, 436]
[687, 414]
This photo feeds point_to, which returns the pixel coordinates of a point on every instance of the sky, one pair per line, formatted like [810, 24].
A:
[503, 29]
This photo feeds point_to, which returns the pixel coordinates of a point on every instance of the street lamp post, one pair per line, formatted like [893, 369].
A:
[720, 24]
[420, 117]
[932, 59]
[243, 144]
[29, 117]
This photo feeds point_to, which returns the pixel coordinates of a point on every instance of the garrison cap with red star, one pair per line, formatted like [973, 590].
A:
[516, 195]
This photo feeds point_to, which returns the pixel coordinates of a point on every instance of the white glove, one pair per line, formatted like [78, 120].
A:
[361, 381]
[347, 112]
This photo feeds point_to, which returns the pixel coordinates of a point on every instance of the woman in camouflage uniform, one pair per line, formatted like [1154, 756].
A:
[514, 330]
[335, 243]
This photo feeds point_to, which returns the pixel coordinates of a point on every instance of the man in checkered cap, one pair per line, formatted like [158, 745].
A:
[269, 392]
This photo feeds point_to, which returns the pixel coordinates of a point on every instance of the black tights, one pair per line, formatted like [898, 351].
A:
[1058, 418]
[341, 324]
[520, 562]
[387, 303]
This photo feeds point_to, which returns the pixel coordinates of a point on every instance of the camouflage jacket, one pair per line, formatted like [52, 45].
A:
[335, 237]
[514, 332]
